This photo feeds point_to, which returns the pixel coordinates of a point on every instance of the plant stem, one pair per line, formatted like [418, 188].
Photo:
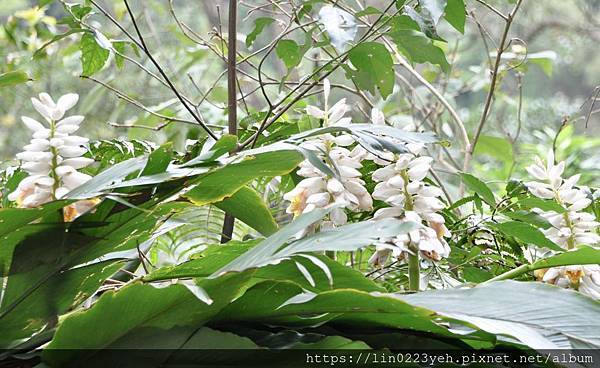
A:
[414, 274]
[229, 221]
[490, 96]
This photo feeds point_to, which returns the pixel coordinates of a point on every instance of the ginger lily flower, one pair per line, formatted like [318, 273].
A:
[53, 156]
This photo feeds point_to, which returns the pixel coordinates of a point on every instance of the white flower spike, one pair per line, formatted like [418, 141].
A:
[53, 156]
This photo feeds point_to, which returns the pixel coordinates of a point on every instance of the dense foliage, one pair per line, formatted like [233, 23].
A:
[351, 204]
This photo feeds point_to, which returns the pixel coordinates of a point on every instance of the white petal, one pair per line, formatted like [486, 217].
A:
[61, 192]
[37, 145]
[70, 151]
[377, 117]
[338, 216]
[67, 101]
[580, 204]
[64, 170]
[36, 167]
[78, 162]
[75, 179]
[67, 129]
[42, 108]
[315, 112]
[71, 120]
[47, 100]
[74, 140]
[537, 172]
[32, 124]
[319, 199]
[384, 173]
[335, 186]
[42, 134]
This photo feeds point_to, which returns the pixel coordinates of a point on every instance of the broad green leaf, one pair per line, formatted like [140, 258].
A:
[259, 26]
[136, 306]
[479, 187]
[258, 255]
[247, 206]
[373, 68]
[525, 233]
[528, 217]
[59, 294]
[542, 204]
[12, 219]
[582, 256]
[456, 14]
[289, 52]
[13, 78]
[216, 256]
[225, 144]
[349, 237]
[93, 56]
[223, 182]
[414, 44]
[99, 183]
[540, 316]
[158, 160]
[343, 307]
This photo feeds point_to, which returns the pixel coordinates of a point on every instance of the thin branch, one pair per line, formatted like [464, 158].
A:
[494, 81]
[164, 75]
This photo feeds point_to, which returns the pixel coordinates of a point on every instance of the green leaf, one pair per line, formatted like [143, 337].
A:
[369, 10]
[158, 160]
[496, 147]
[60, 293]
[225, 144]
[349, 238]
[374, 67]
[223, 182]
[479, 187]
[456, 14]
[414, 44]
[263, 303]
[540, 316]
[525, 233]
[93, 56]
[582, 256]
[289, 52]
[57, 38]
[248, 206]
[13, 78]
[96, 186]
[119, 47]
[528, 217]
[136, 306]
[259, 26]
[216, 256]
[542, 204]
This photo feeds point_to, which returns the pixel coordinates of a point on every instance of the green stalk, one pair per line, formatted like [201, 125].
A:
[54, 152]
[413, 272]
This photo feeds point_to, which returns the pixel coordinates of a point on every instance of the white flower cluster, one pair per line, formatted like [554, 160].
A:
[401, 185]
[572, 227]
[53, 155]
[568, 229]
[319, 189]
[585, 278]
